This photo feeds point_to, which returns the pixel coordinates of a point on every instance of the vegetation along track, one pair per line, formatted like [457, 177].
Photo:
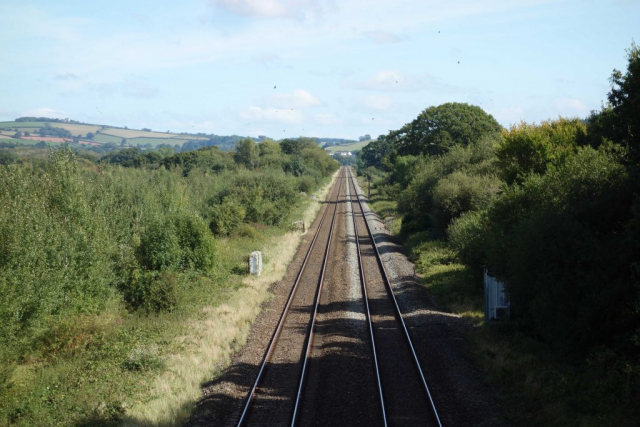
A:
[362, 368]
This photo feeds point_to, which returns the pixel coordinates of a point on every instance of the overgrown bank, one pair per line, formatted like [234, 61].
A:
[551, 209]
[122, 287]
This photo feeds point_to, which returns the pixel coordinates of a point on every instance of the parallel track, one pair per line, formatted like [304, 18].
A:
[391, 384]
[275, 410]
[279, 387]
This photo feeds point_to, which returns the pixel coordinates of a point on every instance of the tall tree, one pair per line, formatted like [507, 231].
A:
[246, 153]
[437, 129]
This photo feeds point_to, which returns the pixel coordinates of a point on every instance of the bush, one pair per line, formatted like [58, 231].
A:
[459, 193]
[225, 217]
[306, 184]
[467, 235]
[162, 292]
[559, 242]
[197, 244]
[528, 149]
[7, 157]
[160, 246]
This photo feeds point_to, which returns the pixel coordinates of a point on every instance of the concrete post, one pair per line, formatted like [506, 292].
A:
[255, 263]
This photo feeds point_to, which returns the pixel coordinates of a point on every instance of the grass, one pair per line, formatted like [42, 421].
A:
[122, 368]
[348, 147]
[385, 206]
[108, 134]
[14, 125]
[104, 138]
[19, 141]
[133, 133]
[77, 129]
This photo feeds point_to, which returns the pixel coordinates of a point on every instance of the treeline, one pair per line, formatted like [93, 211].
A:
[136, 230]
[553, 209]
[44, 119]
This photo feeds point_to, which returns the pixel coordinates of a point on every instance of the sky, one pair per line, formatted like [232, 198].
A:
[324, 68]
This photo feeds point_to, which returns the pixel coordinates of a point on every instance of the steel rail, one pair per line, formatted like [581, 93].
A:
[366, 303]
[396, 306]
[311, 333]
[285, 311]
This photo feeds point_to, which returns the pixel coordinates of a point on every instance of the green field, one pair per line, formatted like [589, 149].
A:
[104, 138]
[155, 141]
[106, 135]
[356, 146]
[14, 125]
[77, 129]
[19, 141]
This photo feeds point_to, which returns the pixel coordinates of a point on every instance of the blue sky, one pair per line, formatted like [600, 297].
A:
[340, 68]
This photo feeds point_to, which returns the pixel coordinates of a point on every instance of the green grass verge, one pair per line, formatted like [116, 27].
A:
[385, 206]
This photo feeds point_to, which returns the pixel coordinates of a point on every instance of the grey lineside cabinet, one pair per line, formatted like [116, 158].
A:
[496, 300]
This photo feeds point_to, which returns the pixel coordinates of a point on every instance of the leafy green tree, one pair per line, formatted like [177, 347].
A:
[7, 157]
[619, 121]
[246, 153]
[373, 153]
[528, 149]
[439, 128]
[271, 155]
[295, 146]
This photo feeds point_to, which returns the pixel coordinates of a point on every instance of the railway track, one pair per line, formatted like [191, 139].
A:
[404, 393]
[275, 395]
[402, 396]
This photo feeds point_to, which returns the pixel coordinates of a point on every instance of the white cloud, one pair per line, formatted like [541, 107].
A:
[378, 103]
[46, 112]
[266, 59]
[272, 8]
[299, 98]
[66, 76]
[328, 119]
[139, 89]
[396, 81]
[386, 79]
[272, 115]
[570, 107]
[382, 37]
[508, 116]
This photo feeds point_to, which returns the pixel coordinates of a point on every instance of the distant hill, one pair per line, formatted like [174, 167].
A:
[355, 146]
[32, 130]
[104, 138]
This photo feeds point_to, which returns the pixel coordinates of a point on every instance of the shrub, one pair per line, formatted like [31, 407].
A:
[197, 244]
[160, 246]
[559, 241]
[459, 193]
[467, 235]
[306, 184]
[225, 217]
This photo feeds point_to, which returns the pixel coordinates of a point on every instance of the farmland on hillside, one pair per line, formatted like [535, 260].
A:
[133, 133]
[356, 146]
